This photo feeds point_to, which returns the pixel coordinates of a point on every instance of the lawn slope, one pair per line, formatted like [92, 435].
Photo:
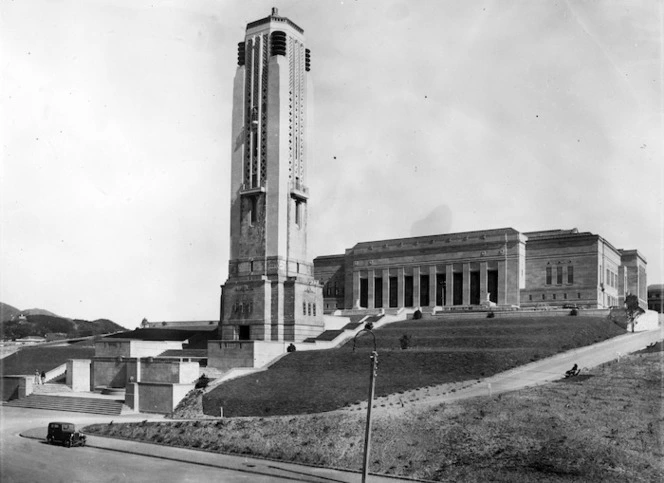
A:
[440, 351]
[29, 359]
[602, 426]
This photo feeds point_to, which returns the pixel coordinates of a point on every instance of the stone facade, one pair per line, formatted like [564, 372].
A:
[501, 267]
[656, 298]
[271, 294]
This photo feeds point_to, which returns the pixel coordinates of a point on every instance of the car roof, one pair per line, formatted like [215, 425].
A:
[59, 422]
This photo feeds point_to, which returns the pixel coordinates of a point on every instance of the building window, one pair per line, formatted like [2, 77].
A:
[309, 306]
[304, 308]
[314, 309]
[579, 294]
[565, 296]
[559, 275]
[570, 274]
[554, 296]
[530, 297]
[548, 275]
[543, 296]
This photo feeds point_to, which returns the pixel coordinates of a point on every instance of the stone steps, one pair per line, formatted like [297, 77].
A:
[50, 388]
[68, 403]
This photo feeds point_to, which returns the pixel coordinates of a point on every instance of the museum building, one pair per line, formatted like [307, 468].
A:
[503, 267]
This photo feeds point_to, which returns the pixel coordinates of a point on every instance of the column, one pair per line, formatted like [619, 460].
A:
[432, 286]
[400, 287]
[466, 284]
[483, 283]
[502, 282]
[386, 288]
[449, 287]
[356, 289]
[416, 286]
[371, 292]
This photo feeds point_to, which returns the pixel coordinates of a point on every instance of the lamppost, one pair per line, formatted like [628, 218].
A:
[373, 366]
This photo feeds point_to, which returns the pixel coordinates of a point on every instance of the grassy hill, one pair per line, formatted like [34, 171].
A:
[441, 351]
[42, 324]
[7, 312]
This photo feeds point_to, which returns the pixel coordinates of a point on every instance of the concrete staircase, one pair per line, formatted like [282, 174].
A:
[93, 405]
[50, 388]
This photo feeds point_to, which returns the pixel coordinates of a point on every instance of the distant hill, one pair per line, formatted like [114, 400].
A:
[7, 312]
[38, 312]
[39, 322]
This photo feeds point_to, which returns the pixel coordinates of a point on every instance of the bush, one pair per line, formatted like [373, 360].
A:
[490, 315]
[202, 382]
[417, 314]
[404, 341]
[574, 312]
[368, 325]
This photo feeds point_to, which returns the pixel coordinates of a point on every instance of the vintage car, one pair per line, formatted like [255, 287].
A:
[64, 433]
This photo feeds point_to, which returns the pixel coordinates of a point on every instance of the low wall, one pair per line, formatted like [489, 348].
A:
[79, 375]
[110, 372]
[335, 322]
[229, 354]
[16, 387]
[165, 370]
[154, 397]
[119, 371]
[134, 348]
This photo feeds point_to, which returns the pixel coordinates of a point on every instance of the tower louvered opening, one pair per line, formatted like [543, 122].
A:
[241, 53]
[278, 43]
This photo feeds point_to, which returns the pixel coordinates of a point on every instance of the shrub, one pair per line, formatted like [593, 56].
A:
[368, 325]
[202, 382]
[490, 315]
[417, 314]
[574, 312]
[404, 341]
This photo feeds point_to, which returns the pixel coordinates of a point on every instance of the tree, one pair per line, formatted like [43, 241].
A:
[633, 309]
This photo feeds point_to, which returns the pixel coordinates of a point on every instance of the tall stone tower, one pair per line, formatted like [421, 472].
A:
[270, 293]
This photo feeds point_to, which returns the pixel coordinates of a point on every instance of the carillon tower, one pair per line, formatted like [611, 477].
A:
[270, 293]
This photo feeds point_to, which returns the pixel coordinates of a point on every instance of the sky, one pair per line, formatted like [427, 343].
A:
[429, 117]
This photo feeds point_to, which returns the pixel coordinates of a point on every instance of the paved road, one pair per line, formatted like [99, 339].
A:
[106, 460]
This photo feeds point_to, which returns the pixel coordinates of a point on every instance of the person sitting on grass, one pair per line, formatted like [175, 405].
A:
[574, 371]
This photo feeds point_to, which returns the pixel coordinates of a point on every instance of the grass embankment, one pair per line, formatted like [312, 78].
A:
[29, 359]
[605, 426]
[440, 351]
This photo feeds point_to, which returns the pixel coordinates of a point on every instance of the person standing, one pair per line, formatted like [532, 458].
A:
[43, 377]
[37, 377]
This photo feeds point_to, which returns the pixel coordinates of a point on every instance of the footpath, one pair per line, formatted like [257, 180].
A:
[277, 470]
[539, 372]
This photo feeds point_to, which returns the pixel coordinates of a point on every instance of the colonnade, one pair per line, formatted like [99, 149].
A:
[431, 285]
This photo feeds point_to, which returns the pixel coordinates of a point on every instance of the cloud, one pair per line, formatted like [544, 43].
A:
[439, 220]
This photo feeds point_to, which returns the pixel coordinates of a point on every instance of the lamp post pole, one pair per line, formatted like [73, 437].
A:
[373, 366]
[367, 433]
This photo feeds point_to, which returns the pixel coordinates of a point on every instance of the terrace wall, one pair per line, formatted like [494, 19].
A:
[226, 355]
[16, 387]
[79, 375]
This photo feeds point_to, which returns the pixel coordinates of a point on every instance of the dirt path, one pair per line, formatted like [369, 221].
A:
[533, 374]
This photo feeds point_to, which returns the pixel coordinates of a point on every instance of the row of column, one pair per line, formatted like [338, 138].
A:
[432, 272]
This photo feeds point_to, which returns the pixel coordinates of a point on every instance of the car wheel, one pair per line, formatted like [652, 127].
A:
[49, 440]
